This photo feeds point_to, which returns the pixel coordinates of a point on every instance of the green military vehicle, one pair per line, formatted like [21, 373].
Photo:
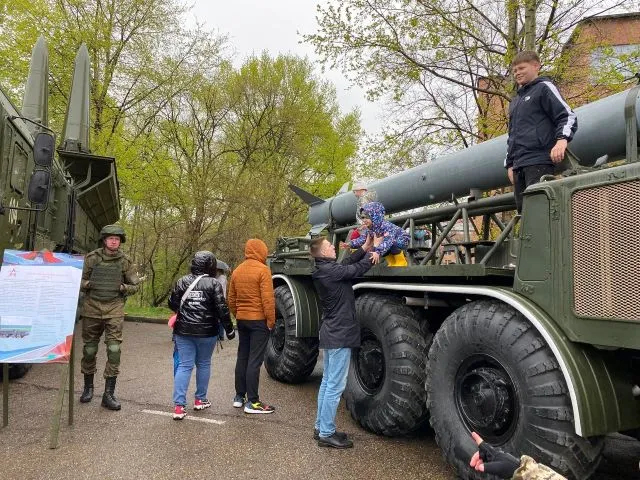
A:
[523, 328]
[47, 202]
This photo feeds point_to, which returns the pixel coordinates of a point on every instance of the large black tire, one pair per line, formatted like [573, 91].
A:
[385, 389]
[289, 359]
[490, 371]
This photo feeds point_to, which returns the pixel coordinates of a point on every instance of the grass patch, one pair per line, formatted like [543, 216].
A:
[147, 312]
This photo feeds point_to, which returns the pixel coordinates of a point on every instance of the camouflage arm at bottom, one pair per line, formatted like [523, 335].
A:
[531, 470]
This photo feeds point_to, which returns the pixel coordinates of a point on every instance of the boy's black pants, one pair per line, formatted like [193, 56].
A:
[525, 176]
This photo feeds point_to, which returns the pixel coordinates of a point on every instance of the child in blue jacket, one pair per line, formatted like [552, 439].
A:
[392, 239]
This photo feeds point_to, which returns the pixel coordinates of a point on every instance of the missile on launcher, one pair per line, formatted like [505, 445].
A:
[601, 132]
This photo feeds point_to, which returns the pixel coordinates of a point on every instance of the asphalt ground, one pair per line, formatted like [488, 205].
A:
[142, 441]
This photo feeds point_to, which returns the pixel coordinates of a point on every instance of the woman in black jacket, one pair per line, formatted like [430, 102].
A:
[198, 300]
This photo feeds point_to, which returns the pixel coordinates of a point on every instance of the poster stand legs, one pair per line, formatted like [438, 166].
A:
[71, 394]
[54, 429]
[5, 394]
[66, 385]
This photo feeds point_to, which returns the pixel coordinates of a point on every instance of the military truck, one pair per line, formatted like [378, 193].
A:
[48, 202]
[523, 328]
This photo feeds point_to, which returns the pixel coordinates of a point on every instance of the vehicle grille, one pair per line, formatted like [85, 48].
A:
[606, 251]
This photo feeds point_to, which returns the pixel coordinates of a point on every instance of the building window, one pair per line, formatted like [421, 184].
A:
[615, 63]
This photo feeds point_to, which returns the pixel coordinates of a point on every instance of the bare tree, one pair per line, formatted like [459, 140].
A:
[441, 63]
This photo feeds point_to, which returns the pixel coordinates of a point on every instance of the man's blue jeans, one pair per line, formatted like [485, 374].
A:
[192, 351]
[334, 380]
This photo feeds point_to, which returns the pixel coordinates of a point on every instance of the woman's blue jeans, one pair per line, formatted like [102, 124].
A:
[192, 351]
[334, 380]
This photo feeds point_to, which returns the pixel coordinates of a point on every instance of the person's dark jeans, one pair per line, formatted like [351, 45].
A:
[253, 336]
[525, 176]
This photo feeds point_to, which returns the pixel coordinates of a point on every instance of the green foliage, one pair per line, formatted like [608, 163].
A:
[205, 151]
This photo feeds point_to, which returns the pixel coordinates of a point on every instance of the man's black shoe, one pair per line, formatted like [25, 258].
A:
[316, 434]
[335, 441]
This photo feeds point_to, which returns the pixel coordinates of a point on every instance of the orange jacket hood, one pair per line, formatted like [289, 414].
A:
[256, 249]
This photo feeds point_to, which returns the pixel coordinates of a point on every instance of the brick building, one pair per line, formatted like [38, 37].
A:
[601, 53]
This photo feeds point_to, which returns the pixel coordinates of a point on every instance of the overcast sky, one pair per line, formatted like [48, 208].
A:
[256, 25]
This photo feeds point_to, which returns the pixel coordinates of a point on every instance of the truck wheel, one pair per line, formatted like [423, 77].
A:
[385, 388]
[289, 359]
[491, 372]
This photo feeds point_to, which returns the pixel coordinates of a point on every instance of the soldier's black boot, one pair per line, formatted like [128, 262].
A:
[109, 400]
[87, 392]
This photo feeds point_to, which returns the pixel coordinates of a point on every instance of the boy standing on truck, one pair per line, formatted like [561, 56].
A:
[541, 124]
[392, 239]
[339, 331]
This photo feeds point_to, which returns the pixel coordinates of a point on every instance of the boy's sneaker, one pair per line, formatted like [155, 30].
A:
[238, 401]
[201, 404]
[179, 412]
[258, 407]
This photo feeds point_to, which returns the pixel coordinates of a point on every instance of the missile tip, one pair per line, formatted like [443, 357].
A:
[83, 53]
[40, 48]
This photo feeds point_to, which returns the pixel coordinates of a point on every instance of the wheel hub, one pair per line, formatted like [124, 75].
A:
[486, 400]
[370, 363]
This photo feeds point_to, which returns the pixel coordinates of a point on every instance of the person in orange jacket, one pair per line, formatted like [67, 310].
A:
[252, 302]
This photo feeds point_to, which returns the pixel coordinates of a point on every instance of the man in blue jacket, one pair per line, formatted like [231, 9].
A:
[541, 124]
[339, 332]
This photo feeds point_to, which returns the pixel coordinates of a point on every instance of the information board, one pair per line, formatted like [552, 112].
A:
[38, 303]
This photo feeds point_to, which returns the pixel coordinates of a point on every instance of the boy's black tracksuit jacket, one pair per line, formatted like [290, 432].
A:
[538, 117]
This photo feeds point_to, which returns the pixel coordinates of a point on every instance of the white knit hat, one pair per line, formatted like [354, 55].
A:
[359, 185]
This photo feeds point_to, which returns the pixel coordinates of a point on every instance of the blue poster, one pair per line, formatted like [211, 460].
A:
[38, 305]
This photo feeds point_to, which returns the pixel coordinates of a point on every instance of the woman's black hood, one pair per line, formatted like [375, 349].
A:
[203, 262]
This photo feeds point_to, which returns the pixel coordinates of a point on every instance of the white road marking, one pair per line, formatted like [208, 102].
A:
[188, 417]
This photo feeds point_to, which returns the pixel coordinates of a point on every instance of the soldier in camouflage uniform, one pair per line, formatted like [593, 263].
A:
[108, 278]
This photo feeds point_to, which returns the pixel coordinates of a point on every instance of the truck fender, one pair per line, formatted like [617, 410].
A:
[306, 303]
